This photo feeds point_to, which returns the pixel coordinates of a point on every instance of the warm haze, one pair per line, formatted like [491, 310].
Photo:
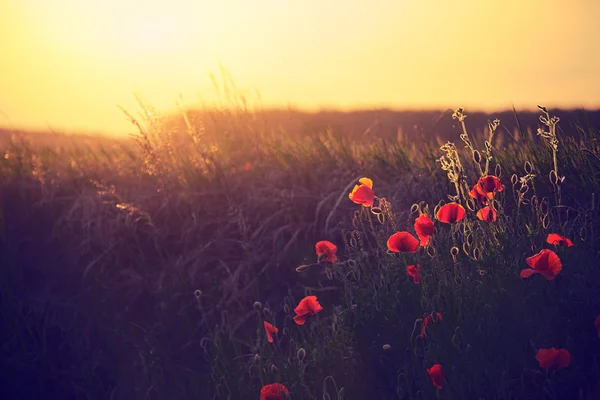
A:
[67, 64]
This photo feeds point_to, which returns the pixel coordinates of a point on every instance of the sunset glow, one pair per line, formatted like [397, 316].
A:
[67, 64]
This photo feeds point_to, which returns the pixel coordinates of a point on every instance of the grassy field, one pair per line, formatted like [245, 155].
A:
[147, 268]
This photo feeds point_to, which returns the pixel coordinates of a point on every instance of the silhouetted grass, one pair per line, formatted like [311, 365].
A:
[147, 270]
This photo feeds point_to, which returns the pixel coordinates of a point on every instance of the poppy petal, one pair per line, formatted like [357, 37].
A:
[487, 214]
[450, 213]
[437, 375]
[559, 240]
[526, 273]
[367, 182]
[402, 242]
[424, 228]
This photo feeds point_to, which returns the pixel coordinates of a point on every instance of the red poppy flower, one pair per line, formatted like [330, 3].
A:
[414, 272]
[487, 214]
[270, 329]
[553, 358]
[308, 306]
[327, 249]
[274, 391]
[363, 193]
[450, 213]
[427, 320]
[480, 197]
[488, 186]
[437, 375]
[597, 324]
[402, 241]
[424, 228]
[555, 238]
[546, 262]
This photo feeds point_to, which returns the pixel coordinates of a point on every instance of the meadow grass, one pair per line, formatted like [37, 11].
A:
[146, 269]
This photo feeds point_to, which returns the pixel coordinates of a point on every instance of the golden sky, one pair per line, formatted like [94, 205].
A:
[67, 64]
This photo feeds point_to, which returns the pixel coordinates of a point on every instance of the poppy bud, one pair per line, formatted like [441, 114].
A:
[476, 253]
[197, 293]
[387, 347]
[301, 354]
[303, 267]
[454, 251]
[476, 156]
[514, 179]
[553, 177]
[257, 305]
[274, 369]
[376, 210]
[523, 189]
[546, 221]
[286, 309]
[266, 312]
[414, 209]
[498, 171]
[470, 204]
[528, 167]
[431, 251]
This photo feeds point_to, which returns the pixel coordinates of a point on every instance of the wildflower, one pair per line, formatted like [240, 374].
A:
[414, 272]
[270, 329]
[424, 228]
[402, 241]
[546, 262]
[555, 238]
[363, 193]
[553, 358]
[450, 213]
[597, 324]
[488, 186]
[487, 214]
[274, 391]
[429, 318]
[437, 375]
[326, 250]
[474, 193]
[308, 306]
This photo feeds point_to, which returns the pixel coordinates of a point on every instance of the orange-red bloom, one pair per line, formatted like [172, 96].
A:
[327, 249]
[437, 375]
[553, 358]
[597, 324]
[308, 306]
[482, 198]
[555, 238]
[546, 262]
[427, 320]
[488, 186]
[424, 228]
[270, 329]
[363, 193]
[402, 241]
[450, 213]
[414, 272]
[274, 391]
[487, 214]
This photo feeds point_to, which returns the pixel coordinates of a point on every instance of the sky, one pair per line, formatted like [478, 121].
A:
[67, 65]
